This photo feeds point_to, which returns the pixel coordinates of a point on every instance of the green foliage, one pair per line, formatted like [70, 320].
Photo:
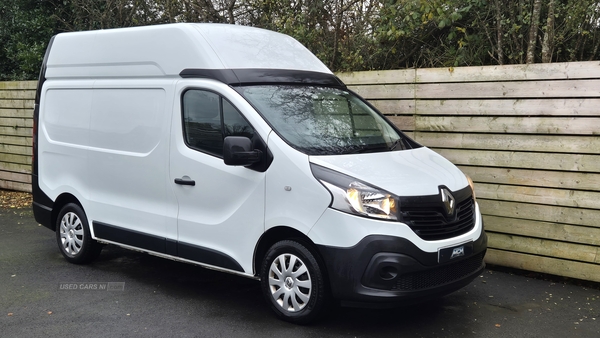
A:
[25, 29]
[346, 34]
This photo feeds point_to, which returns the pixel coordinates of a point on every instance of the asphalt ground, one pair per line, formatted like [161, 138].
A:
[129, 294]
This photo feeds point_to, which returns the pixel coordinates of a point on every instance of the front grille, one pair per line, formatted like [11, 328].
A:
[439, 276]
[427, 218]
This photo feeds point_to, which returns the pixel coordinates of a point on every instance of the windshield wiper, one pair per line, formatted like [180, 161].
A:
[368, 149]
[396, 144]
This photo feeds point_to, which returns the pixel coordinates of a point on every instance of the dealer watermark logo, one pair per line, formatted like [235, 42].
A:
[92, 286]
[448, 200]
[457, 252]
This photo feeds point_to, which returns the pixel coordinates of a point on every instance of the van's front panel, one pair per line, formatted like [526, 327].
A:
[382, 261]
[294, 198]
[431, 243]
[397, 212]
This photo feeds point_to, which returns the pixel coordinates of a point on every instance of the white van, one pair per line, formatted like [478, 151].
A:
[236, 149]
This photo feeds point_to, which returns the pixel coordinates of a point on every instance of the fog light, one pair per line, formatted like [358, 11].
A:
[388, 273]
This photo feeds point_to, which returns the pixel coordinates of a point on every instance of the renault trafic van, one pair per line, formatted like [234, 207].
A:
[236, 149]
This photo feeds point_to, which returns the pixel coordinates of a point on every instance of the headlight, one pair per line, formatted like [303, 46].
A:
[356, 197]
[471, 185]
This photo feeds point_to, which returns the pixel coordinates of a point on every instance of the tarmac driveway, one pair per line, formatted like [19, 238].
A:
[129, 294]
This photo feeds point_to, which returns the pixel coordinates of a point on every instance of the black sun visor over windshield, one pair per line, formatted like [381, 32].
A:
[236, 77]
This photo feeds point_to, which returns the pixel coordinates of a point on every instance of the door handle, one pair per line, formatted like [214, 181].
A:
[185, 180]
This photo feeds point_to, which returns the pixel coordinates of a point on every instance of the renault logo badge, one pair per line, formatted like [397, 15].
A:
[448, 201]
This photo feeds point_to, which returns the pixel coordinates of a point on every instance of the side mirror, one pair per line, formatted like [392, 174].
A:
[237, 150]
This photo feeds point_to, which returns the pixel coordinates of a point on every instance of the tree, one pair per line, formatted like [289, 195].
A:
[548, 34]
[25, 29]
[345, 34]
[533, 31]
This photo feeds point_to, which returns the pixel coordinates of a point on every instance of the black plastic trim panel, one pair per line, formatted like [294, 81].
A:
[165, 246]
[129, 237]
[207, 256]
[349, 269]
[251, 76]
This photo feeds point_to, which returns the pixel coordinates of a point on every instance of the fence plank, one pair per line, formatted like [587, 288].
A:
[538, 212]
[559, 197]
[16, 122]
[561, 267]
[544, 247]
[18, 131]
[17, 140]
[17, 104]
[393, 91]
[17, 94]
[536, 178]
[15, 177]
[15, 149]
[395, 107]
[529, 160]
[548, 71]
[378, 77]
[15, 186]
[507, 107]
[16, 167]
[17, 159]
[514, 142]
[511, 125]
[552, 71]
[404, 123]
[22, 113]
[537, 229]
[529, 89]
[18, 85]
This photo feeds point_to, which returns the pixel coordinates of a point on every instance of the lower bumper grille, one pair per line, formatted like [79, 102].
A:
[439, 276]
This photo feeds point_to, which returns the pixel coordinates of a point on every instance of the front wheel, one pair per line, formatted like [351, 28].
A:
[293, 282]
[73, 236]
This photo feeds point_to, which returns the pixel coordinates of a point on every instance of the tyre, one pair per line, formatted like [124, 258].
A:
[73, 236]
[293, 282]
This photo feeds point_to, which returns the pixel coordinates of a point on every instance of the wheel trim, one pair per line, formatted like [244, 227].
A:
[290, 282]
[71, 233]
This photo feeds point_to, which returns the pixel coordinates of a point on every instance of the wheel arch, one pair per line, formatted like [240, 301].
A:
[60, 202]
[280, 233]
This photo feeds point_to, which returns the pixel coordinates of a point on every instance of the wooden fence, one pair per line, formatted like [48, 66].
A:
[16, 121]
[529, 136]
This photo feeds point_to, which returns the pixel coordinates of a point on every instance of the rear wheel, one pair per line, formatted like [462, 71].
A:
[293, 282]
[73, 236]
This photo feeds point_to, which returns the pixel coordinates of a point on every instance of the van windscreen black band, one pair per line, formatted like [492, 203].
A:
[264, 76]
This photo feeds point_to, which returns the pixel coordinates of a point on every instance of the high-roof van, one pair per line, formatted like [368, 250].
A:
[236, 149]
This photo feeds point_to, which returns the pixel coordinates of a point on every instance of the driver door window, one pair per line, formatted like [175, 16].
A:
[208, 118]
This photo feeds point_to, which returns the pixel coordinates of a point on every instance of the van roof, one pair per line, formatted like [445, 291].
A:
[168, 50]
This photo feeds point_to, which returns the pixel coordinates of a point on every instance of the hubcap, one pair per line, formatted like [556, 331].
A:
[289, 282]
[71, 233]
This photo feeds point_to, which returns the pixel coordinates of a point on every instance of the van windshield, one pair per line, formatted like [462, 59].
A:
[322, 120]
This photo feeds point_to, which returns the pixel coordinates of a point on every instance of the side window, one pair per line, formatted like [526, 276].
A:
[234, 123]
[208, 118]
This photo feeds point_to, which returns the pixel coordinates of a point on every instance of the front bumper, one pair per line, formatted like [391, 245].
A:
[386, 270]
